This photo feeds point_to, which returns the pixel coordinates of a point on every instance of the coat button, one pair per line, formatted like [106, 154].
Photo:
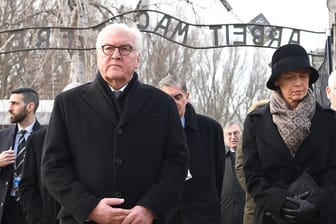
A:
[6, 183]
[1, 204]
[119, 131]
[117, 194]
[118, 160]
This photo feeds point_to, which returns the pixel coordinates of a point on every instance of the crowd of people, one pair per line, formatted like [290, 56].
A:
[118, 151]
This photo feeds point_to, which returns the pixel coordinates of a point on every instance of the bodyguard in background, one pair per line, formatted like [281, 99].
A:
[23, 103]
[199, 199]
[38, 205]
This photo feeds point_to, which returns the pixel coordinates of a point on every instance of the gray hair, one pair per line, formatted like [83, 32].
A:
[331, 79]
[107, 29]
[173, 80]
[230, 123]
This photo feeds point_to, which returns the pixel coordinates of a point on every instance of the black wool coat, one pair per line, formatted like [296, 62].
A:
[199, 200]
[269, 167]
[233, 196]
[94, 149]
[37, 203]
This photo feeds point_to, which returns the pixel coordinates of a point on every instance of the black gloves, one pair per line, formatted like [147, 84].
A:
[299, 210]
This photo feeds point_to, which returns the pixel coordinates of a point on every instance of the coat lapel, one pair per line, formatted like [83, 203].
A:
[134, 104]
[269, 133]
[190, 117]
[99, 101]
[271, 136]
[95, 96]
[37, 126]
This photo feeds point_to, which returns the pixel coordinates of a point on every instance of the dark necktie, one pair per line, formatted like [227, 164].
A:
[117, 93]
[21, 151]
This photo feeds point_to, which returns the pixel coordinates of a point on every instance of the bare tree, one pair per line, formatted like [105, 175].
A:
[219, 80]
[256, 85]
[20, 69]
[162, 57]
[73, 13]
[223, 87]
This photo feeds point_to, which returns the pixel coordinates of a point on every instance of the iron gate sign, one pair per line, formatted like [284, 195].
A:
[158, 23]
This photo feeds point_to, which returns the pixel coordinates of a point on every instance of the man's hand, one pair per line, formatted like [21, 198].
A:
[105, 213]
[7, 157]
[139, 215]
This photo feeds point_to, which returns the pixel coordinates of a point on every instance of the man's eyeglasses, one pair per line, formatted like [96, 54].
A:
[124, 50]
[235, 133]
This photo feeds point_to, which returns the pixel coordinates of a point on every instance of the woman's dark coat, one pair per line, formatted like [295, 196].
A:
[269, 167]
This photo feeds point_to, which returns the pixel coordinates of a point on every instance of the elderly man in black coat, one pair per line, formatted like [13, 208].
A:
[115, 158]
[199, 200]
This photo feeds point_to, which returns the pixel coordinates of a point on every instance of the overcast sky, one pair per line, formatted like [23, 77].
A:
[301, 14]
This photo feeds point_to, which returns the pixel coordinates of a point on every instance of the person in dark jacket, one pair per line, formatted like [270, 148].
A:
[23, 103]
[288, 136]
[199, 199]
[233, 196]
[38, 205]
[114, 158]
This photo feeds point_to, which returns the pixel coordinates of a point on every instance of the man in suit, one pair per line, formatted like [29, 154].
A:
[23, 103]
[199, 200]
[115, 159]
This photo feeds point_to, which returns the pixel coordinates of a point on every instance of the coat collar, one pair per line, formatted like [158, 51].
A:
[96, 95]
[36, 127]
[227, 150]
[268, 133]
[191, 117]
